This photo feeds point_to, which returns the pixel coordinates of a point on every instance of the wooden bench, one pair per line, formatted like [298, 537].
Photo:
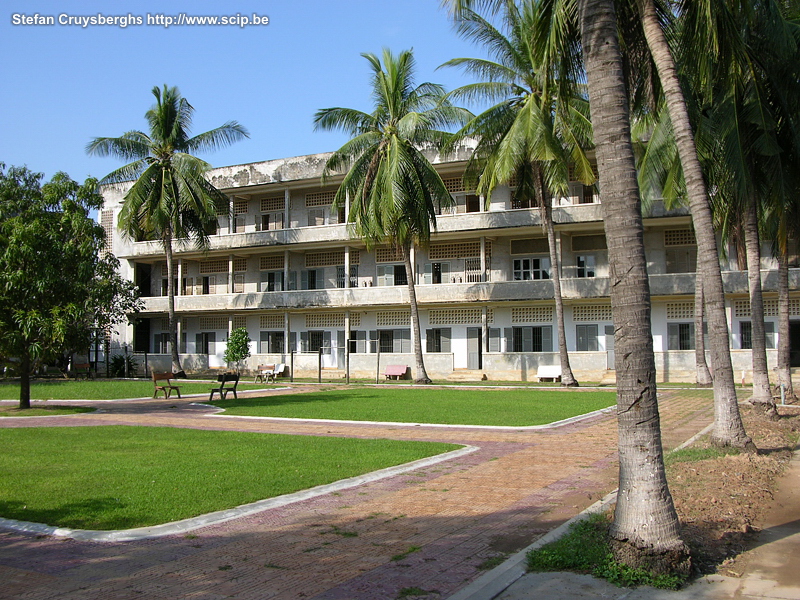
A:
[82, 370]
[223, 389]
[264, 373]
[551, 372]
[396, 371]
[164, 387]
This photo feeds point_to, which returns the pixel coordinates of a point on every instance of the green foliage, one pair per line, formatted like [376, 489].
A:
[116, 366]
[57, 287]
[238, 348]
[142, 476]
[451, 406]
[585, 548]
[402, 555]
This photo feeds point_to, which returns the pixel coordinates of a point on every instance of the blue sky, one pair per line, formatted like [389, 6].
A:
[65, 84]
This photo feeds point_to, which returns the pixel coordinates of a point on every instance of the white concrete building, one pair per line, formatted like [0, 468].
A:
[285, 266]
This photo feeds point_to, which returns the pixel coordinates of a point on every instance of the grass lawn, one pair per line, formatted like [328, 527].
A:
[104, 389]
[427, 405]
[120, 477]
[42, 411]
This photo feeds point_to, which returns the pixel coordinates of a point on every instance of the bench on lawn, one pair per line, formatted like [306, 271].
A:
[551, 372]
[82, 370]
[166, 387]
[396, 371]
[279, 371]
[264, 373]
[223, 389]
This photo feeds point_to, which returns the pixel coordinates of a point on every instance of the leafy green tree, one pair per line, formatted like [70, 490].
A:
[170, 199]
[538, 126]
[238, 348]
[393, 189]
[57, 286]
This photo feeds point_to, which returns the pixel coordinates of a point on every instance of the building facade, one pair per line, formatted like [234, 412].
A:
[286, 266]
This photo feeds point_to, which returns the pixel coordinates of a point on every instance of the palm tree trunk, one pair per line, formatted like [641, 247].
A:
[784, 342]
[421, 375]
[728, 427]
[546, 211]
[645, 531]
[762, 396]
[703, 378]
[173, 324]
[25, 380]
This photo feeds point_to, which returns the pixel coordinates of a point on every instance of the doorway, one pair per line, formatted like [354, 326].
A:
[474, 355]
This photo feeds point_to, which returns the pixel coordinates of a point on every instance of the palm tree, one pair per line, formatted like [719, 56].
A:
[645, 531]
[393, 188]
[539, 125]
[170, 199]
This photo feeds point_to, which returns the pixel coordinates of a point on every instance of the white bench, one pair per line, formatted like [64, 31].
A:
[550, 372]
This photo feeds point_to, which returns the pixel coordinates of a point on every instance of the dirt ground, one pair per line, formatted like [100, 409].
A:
[721, 501]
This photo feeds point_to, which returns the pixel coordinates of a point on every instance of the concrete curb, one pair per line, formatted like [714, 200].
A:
[215, 518]
[552, 425]
[496, 581]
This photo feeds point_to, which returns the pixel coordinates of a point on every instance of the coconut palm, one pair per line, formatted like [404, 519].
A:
[539, 124]
[393, 189]
[645, 529]
[170, 199]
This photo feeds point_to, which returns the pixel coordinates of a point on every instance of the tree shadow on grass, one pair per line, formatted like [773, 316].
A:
[89, 513]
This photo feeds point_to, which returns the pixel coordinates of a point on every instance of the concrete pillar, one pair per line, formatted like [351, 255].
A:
[483, 259]
[230, 273]
[347, 268]
[286, 212]
[179, 291]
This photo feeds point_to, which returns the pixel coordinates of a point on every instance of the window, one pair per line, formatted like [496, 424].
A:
[205, 343]
[438, 272]
[272, 221]
[680, 336]
[438, 340]
[271, 342]
[313, 341]
[586, 338]
[531, 339]
[161, 343]
[358, 342]
[316, 216]
[187, 286]
[681, 260]
[272, 281]
[746, 334]
[208, 285]
[165, 288]
[526, 269]
[312, 279]
[394, 340]
[340, 279]
[392, 275]
[238, 283]
[585, 265]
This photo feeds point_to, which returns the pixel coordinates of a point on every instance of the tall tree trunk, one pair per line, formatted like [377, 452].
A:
[728, 427]
[173, 323]
[645, 531]
[703, 377]
[546, 211]
[784, 340]
[762, 395]
[420, 375]
[25, 380]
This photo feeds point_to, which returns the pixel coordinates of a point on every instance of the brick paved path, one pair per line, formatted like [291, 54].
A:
[430, 529]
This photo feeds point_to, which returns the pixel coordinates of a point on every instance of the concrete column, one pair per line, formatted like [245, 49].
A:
[347, 268]
[179, 328]
[230, 273]
[485, 327]
[178, 292]
[286, 212]
[286, 331]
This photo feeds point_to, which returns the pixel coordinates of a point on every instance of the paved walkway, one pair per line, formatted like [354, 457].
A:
[433, 529]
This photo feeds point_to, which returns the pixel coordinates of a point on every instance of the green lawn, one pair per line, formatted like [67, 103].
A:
[121, 477]
[104, 389]
[427, 405]
[42, 411]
